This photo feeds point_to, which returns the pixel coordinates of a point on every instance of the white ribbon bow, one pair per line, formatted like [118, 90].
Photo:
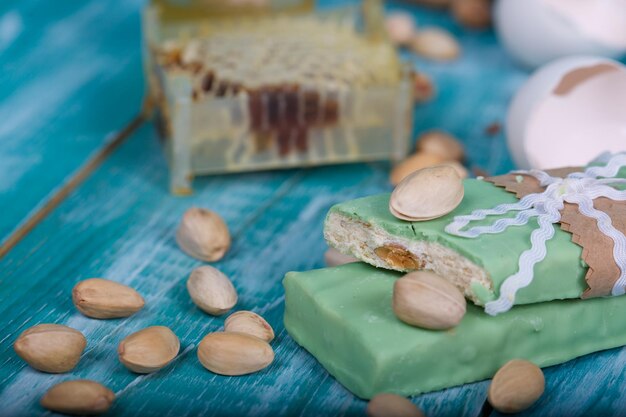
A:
[579, 188]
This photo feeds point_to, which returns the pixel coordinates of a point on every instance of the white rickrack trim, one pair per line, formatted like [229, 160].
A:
[579, 188]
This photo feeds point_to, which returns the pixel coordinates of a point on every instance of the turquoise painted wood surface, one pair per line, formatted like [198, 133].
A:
[71, 76]
[120, 224]
[275, 219]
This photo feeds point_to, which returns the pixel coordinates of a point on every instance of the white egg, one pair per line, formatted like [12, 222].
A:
[568, 112]
[537, 31]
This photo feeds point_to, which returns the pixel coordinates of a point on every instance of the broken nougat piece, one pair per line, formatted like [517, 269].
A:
[366, 229]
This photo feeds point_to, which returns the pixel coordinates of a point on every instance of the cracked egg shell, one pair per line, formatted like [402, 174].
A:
[568, 112]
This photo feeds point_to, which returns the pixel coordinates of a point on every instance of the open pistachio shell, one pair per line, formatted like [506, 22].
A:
[427, 194]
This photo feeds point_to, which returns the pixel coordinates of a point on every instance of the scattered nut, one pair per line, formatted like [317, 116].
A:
[413, 163]
[475, 14]
[427, 194]
[436, 43]
[392, 405]
[516, 386]
[440, 143]
[148, 350]
[423, 87]
[424, 299]
[249, 323]
[51, 348]
[104, 299]
[400, 27]
[211, 290]
[203, 235]
[80, 397]
[231, 353]
[458, 167]
[333, 257]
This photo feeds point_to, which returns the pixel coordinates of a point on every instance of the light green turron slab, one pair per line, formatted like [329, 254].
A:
[559, 276]
[343, 317]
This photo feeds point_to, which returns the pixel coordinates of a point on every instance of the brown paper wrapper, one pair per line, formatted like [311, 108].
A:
[597, 253]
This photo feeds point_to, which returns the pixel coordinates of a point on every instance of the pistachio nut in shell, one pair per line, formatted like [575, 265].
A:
[516, 386]
[400, 27]
[203, 235]
[232, 353]
[332, 257]
[52, 348]
[426, 300]
[427, 194]
[148, 350]
[105, 299]
[79, 397]
[435, 43]
[443, 144]
[392, 405]
[415, 162]
[250, 323]
[211, 290]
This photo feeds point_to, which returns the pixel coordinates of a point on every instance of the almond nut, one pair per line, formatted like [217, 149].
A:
[51, 348]
[392, 405]
[231, 353]
[427, 194]
[516, 386]
[80, 397]
[211, 290]
[440, 143]
[249, 323]
[104, 299]
[148, 350]
[398, 257]
[435, 43]
[203, 235]
[424, 299]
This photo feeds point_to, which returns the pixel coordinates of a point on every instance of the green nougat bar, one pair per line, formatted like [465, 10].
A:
[366, 229]
[343, 316]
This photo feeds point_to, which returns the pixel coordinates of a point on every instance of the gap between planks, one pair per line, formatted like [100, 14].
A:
[28, 224]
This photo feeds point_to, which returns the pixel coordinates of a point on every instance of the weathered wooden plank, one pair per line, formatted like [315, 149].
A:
[120, 225]
[71, 77]
[592, 385]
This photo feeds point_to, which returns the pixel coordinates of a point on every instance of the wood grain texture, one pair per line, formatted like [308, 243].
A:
[120, 225]
[71, 77]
